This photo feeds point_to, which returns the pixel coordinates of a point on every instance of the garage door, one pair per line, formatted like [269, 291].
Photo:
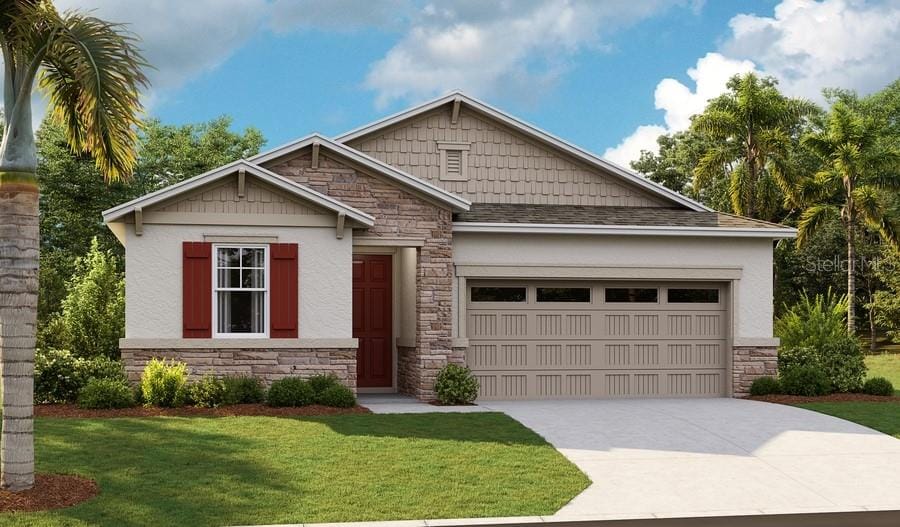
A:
[538, 340]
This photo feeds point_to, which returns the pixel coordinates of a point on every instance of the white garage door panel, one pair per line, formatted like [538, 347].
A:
[521, 350]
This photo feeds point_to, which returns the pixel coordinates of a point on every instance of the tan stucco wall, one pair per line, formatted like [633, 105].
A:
[153, 284]
[753, 316]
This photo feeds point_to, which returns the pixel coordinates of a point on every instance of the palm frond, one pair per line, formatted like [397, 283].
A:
[717, 123]
[873, 208]
[812, 218]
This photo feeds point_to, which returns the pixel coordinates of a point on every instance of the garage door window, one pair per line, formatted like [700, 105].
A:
[632, 294]
[563, 294]
[498, 294]
[693, 296]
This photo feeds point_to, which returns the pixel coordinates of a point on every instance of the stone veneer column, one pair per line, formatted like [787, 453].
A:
[750, 363]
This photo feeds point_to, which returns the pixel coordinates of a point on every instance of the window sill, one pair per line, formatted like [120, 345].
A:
[232, 343]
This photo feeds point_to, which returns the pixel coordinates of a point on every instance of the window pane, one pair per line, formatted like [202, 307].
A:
[229, 278]
[229, 257]
[631, 294]
[498, 294]
[694, 296]
[241, 311]
[253, 278]
[563, 294]
[253, 257]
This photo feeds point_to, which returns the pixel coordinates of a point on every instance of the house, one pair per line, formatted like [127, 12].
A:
[448, 233]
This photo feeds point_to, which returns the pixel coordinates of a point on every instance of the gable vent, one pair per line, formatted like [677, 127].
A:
[454, 158]
[454, 162]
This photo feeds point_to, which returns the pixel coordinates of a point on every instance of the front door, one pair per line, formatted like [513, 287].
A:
[372, 320]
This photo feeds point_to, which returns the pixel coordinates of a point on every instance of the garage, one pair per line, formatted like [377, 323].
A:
[596, 339]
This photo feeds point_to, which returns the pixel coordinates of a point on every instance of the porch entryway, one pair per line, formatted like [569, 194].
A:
[373, 320]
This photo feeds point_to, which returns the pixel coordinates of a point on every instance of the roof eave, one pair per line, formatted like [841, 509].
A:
[626, 230]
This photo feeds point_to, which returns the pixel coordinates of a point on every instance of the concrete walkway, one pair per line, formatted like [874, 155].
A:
[395, 403]
[703, 457]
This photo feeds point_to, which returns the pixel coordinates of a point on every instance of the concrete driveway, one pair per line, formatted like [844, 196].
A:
[669, 458]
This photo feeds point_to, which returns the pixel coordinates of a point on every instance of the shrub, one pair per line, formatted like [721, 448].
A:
[57, 378]
[163, 383]
[765, 386]
[241, 389]
[844, 364]
[106, 393]
[337, 395]
[805, 380]
[290, 391]
[813, 321]
[101, 368]
[878, 386]
[208, 392]
[322, 382]
[456, 385]
[790, 358]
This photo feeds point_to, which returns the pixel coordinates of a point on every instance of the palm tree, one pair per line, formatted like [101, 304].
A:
[752, 128]
[90, 71]
[857, 172]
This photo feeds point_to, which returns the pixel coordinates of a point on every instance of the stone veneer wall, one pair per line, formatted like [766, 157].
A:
[751, 363]
[401, 214]
[266, 364]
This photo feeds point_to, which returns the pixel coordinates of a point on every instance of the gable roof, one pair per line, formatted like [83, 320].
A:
[532, 131]
[295, 189]
[398, 176]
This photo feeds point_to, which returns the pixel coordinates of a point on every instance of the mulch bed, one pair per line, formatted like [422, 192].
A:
[70, 410]
[833, 398]
[50, 491]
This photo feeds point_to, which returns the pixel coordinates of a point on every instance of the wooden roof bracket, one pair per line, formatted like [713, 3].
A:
[340, 225]
[454, 117]
[315, 154]
[242, 182]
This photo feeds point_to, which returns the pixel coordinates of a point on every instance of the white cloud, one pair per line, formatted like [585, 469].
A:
[679, 103]
[488, 48]
[339, 15]
[806, 45]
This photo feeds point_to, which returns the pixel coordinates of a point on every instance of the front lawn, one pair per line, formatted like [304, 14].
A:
[886, 365]
[265, 470]
[884, 417]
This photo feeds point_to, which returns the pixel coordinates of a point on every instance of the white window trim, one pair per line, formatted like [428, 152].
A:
[215, 291]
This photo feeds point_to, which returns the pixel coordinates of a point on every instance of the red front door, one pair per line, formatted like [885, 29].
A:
[372, 320]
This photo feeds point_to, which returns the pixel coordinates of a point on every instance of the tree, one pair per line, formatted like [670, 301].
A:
[857, 173]
[674, 164]
[91, 73]
[886, 302]
[752, 129]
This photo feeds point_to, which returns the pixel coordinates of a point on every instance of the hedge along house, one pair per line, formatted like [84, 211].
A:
[451, 232]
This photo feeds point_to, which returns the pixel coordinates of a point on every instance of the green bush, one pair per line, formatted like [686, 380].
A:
[765, 386]
[878, 386]
[322, 382]
[809, 381]
[813, 321]
[57, 378]
[790, 358]
[102, 368]
[456, 385]
[338, 396]
[290, 391]
[106, 393]
[243, 389]
[163, 383]
[208, 392]
[841, 360]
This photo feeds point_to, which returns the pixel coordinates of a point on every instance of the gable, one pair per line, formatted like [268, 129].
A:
[222, 197]
[502, 164]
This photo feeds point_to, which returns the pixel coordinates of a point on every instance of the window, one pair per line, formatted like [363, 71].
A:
[693, 296]
[563, 294]
[240, 290]
[632, 294]
[498, 294]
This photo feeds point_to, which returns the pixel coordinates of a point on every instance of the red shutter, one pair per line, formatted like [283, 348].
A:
[197, 290]
[283, 285]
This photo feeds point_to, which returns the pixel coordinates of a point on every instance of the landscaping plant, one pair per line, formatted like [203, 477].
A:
[813, 321]
[809, 381]
[456, 385]
[208, 392]
[765, 386]
[164, 383]
[338, 396]
[878, 386]
[290, 391]
[56, 376]
[106, 394]
[243, 389]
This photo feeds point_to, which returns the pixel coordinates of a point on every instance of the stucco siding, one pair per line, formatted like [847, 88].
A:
[502, 166]
[753, 312]
[153, 281]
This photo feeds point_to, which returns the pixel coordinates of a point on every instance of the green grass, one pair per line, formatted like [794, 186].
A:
[264, 470]
[885, 365]
[884, 417]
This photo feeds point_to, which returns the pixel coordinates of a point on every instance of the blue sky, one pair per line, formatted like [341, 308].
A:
[607, 75]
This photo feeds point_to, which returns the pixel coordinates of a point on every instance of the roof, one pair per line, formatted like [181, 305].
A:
[442, 196]
[522, 218]
[291, 187]
[531, 131]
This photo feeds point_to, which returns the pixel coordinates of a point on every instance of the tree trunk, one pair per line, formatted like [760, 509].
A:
[873, 334]
[851, 279]
[19, 249]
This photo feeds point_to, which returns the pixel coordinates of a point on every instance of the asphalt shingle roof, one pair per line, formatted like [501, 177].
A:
[593, 215]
